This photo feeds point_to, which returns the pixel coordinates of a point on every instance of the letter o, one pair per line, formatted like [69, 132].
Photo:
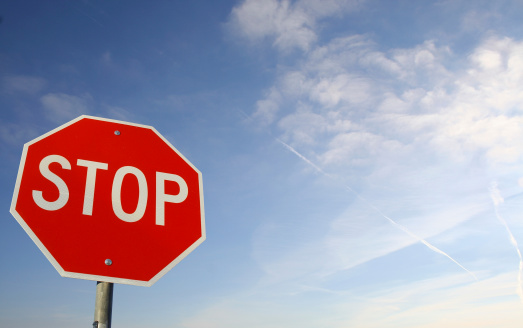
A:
[116, 194]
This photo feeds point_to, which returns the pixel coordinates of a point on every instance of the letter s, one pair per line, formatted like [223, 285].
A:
[63, 191]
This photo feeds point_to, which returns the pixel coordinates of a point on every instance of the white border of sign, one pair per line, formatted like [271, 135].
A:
[47, 254]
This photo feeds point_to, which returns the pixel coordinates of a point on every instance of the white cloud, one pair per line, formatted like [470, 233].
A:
[23, 84]
[267, 108]
[399, 122]
[16, 135]
[441, 302]
[445, 301]
[288, 24]
[314, 252]
[346, 88]
[402, 98]
[61, 107]
[118, 113]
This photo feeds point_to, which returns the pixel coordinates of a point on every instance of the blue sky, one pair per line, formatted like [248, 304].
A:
[361, 159]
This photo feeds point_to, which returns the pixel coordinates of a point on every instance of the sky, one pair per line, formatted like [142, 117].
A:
[361, 159]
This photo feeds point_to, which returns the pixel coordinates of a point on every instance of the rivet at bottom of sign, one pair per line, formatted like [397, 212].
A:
[117, 132]
[108, 262]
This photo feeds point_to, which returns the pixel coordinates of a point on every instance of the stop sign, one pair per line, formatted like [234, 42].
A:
[110, 201]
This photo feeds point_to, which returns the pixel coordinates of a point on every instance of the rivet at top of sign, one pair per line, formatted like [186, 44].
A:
[117, 132]
[108, 262]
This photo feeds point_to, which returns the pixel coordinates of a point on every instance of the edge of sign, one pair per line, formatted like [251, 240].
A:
[14, 200]
[137, 125]
[188, 250]
[142, 283]
[107, 279]
[180, 257]
[50, 257]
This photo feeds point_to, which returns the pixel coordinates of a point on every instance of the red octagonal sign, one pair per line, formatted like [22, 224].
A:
[110, 201]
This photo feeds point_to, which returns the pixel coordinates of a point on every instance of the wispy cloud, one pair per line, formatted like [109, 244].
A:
[351, 103]
[497, 199]
[288, 24]
[404, 121]
[303, 158]
[441, 302]
[415, 134]
[61, 107]
[31, 85]
[368, 203]
[445, 301]
[15, 135]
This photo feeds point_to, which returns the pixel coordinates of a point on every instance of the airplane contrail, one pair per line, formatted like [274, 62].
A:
[316, 167]
[497, 199]
[403, 228]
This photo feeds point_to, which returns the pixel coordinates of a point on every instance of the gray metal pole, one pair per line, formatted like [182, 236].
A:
[103, 306]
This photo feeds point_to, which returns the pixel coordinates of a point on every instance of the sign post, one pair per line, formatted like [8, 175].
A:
[103, 306]
[109, 201]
